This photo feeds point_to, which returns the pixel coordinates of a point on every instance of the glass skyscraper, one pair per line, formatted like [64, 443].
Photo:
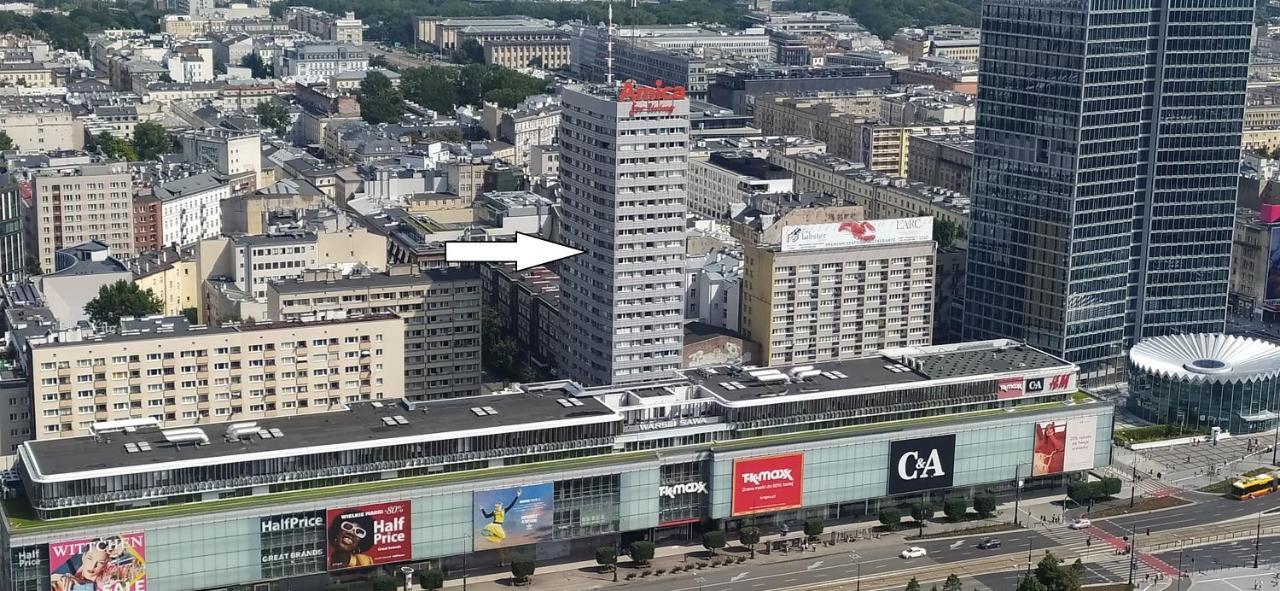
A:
[1105, 172]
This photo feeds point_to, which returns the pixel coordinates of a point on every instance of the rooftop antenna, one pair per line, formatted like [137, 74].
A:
[608, 59]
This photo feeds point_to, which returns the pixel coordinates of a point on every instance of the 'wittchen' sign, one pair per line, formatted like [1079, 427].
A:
[649, 99]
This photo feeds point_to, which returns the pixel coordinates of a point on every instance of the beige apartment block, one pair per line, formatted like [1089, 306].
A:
[836, 301]
[165, 369]
[441, 309]
[75, 204]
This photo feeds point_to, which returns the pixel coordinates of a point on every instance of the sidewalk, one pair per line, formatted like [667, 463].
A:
[586, 574]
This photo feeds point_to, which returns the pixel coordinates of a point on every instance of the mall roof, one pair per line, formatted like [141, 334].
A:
[361, 425]
[983, 360]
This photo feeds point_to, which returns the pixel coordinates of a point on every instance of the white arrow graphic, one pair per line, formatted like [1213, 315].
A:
[816, 564]
[739, 577]
[527, 251]
[957, 544]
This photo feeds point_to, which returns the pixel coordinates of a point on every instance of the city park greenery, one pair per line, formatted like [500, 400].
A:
[122, 299]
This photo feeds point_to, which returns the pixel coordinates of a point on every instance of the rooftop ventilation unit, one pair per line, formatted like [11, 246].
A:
[192, 435]
[241, 430]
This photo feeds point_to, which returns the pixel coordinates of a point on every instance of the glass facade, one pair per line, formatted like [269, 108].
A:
[591, 505]
[1105, 172]
[1237, 406]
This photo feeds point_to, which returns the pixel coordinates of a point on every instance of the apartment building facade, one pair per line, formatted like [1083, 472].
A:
[822, 284]
[441, 309]
[78, 203]
[178, 374]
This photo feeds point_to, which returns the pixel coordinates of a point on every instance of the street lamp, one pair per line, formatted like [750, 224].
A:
[1182, 547]
[1257, 540]
[1017, 485]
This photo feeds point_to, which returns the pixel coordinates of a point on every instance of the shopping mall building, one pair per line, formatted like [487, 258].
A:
[549, 468]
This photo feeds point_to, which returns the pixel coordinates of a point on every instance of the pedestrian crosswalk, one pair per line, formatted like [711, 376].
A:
[1104, 554]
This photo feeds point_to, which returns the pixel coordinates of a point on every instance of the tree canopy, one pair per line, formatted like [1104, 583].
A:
[6, 142]
[884, 17]
[122, 299]
[67, 28]
[443, 88]
[114, 147]
[150, 140]
[273, 116]
[380, 102]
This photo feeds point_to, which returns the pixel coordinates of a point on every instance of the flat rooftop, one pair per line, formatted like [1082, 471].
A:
[360, 425]
[893, 367]
[158, 327]
[374, 280]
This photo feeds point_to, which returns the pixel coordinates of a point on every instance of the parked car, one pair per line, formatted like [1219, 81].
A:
[914, 552]
[1081, 523]
[988, 543]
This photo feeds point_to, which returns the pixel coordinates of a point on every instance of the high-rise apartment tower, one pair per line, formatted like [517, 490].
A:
[624, 162]
[1105, 172]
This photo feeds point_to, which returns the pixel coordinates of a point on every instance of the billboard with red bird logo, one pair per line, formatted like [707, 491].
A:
[857, 233]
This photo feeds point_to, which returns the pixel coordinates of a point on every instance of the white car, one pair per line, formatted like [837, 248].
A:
[1080, 524]
[914, 552]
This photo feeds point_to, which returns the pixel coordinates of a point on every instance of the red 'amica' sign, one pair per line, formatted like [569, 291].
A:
[631, 92]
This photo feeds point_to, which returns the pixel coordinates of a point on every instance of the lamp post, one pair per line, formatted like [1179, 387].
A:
[407, 571]
[1257, 540]
[1017, 485]
[1133, 485]
[1133, 550]
[1182, 547]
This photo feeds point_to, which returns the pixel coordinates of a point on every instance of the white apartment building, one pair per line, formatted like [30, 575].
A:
[77, 203]
[713, 294]
[229, 152]
[624, 165]
[37, 124]
[191, 208]
[316, 62]
[722, 183]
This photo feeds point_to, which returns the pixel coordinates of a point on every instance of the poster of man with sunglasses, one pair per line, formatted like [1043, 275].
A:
[368, 535]
[113, 563]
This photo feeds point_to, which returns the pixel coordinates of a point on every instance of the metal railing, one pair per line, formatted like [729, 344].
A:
[1250, 534]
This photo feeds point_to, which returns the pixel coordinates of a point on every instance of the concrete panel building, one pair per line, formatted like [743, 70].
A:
[622, 302]
[441, 309]
[78, 203]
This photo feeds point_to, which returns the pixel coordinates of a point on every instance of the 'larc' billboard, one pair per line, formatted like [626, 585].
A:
[766, 484]
[113, 563]
[857, 233]
[369, 535]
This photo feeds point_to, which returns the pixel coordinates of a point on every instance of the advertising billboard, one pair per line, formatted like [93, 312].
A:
[293, 543]
[921, 464]
[1064, 446]
[369, 534]
[1010, 388]
[857, 233]
[516, 516]
[112, 563]
[1272, 292]
[770, 483]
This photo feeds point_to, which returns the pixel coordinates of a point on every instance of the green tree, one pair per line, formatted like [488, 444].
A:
[446, 135]
[384, 583]
[713, 540]
[1030, 584]
[985, 505]
[536, 62]
[606, 557]
[431, 580]
[921, 511]
[150, 140]
[913, 585]
[433, 88]
[641, 552]
[944, 232]
[1110, 485]
[890, 517]
[813, 527]
[273, 116]
[522, 570]
[749, 537]
[1078, 571]
[952, 583]
[122, 299]
[1050, 573]
[955, 509]
[257, 68]
[380, 61]
[6, 142]
[380, 102]
[191, 314]
[471, 52]
[114, 147]
[31, 266]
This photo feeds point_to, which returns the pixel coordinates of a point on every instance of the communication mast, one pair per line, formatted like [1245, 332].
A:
[608, 58]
